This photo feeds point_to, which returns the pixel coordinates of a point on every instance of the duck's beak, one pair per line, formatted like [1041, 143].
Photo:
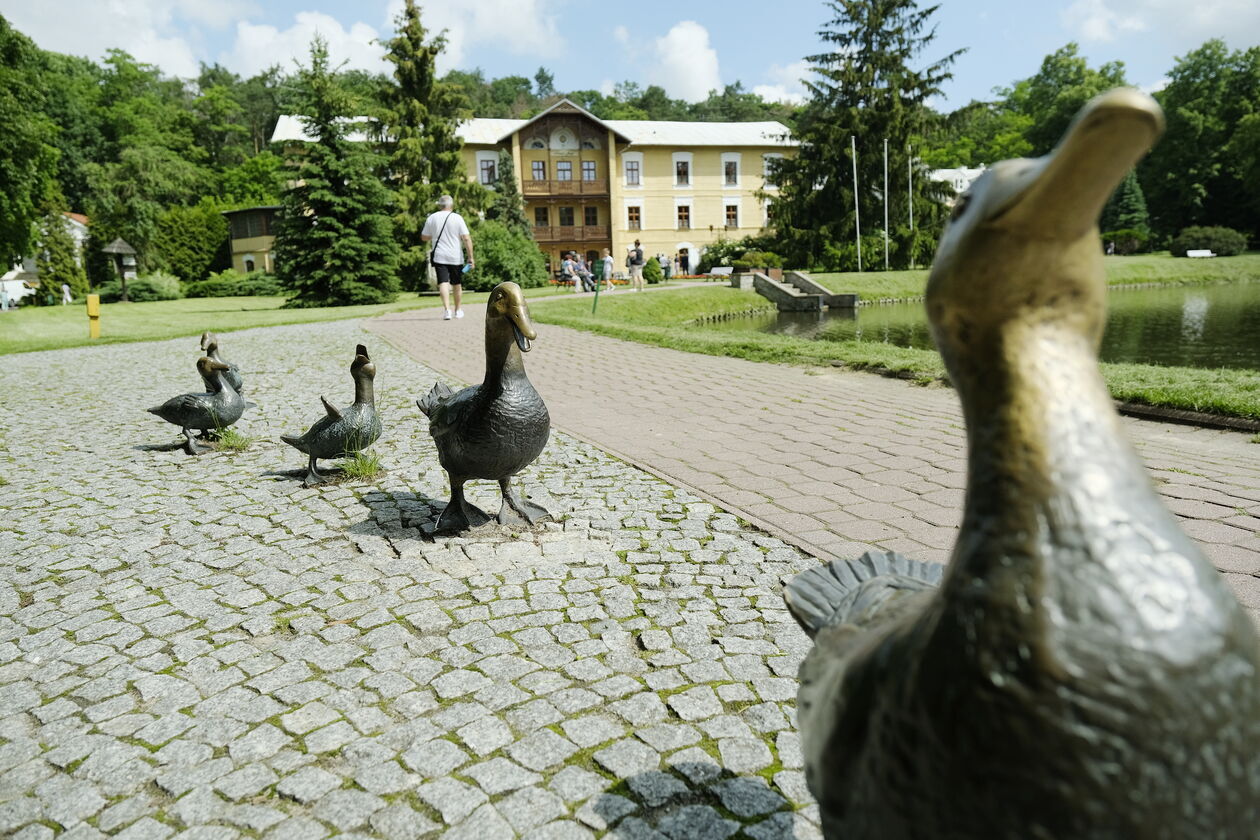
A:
[361, 350]
[1065, 191]
[522, 326]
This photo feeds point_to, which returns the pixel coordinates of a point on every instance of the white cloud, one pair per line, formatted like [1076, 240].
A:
[258, 46]
[1186, 24]
[686, 64]
[1156, 86]
[785, 83]
[1094, 20]
[621, 35]
[218, 14]
[607, 87]
[523, 27]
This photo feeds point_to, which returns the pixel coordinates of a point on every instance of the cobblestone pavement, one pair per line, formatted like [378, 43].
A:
[202, 648]
[833, 462]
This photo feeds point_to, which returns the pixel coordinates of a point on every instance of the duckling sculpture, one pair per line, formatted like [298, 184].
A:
[1081, 670]
[495, 429]
[342, 431]
[210, 346]
[218, 408]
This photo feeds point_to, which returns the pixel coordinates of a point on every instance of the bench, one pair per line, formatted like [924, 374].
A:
[1201, 252]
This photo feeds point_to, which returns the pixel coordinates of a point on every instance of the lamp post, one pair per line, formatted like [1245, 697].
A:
[119, 248]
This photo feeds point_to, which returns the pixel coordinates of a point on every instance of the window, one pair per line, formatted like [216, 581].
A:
[634, 218]
[732, 215]
[539, 170]
[590, 215]
[564, 170]
[731, 172]
[684, 216]
[588, 170]
[632, 173]
[682, 173]
[248, 225]
[769, 163]
[566, 217]
[540, 217]
[487, 172]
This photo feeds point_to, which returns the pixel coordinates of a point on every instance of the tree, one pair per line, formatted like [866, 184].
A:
[506, 204]
[1126, 209]
[190, 242]
[1052, 97]
[334, 240]
[59, 259]
[504, 253]
[977, 134]
[256, 180]
[544, 84]
[71, 100]
[28, 162]
[420, 118]
[866, 89]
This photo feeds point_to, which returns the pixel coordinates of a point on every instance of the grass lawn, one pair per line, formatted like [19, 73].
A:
[668, 319]
[1142, 268]
[55, 327]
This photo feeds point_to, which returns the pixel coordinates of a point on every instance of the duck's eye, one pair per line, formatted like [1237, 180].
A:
[960, 206]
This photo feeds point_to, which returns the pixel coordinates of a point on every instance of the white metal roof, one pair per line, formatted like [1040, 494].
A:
[289, 127]
[487, 130]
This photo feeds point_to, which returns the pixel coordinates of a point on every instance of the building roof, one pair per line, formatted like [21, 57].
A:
[487, 131]
[251, 209]
[76, 217]
[289, 127]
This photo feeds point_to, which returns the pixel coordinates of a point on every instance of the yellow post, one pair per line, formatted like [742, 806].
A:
[94, 316]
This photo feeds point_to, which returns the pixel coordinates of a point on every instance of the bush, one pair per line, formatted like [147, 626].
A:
[762, 259]
[231, 283]
[147, 287]
[504, 254]
[1221, 241]
[722, 252]
[190, 240]
[652, 271]
[1128, 241]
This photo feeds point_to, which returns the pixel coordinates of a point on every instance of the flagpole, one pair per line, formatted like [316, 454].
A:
[857, 218]
[885, 204]
[910, 196]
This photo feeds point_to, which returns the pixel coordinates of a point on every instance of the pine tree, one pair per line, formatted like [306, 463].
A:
[419, 127]
[59, 259]
[335, 239]
[506, 205]
[1126, 209]
[867, 89]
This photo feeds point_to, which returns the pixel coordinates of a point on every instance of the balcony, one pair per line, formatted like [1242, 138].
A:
[599, 186]
[571, 233]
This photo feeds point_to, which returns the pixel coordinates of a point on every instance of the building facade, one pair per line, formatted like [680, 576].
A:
[591, 184]
[252, 233]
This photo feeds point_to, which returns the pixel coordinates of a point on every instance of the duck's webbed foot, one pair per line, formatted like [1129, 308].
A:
[460, 514]
[516, 510]
[191, 446]
[313, 476]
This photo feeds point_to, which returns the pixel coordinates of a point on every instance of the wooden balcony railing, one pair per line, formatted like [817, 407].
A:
[571, 233]
[597, 187]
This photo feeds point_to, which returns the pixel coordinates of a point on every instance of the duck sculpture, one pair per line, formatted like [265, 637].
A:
[495, 429]
[342, 431]
[218, 408]
[1079, 670]
[210, 346]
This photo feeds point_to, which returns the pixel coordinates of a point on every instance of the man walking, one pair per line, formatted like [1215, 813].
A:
[446, 230]
[636, 266]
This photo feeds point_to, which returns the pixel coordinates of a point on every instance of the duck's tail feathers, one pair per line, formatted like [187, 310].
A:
[439, 392]
[295, 441]
[841, 589]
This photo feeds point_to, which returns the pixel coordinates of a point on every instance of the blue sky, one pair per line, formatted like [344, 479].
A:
[687, 46]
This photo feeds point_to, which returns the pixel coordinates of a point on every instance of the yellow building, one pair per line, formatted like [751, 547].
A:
[591, 184]
[252, 234]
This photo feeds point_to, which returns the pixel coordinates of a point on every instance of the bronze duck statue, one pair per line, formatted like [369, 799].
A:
[218, 408]
[346, 430]
[495, 429]
[1081, 670]
[210, 346]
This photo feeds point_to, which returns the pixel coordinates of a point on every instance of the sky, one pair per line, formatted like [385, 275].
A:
[687, 46]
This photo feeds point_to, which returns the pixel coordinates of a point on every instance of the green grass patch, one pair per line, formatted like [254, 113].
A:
[230, 440]
[361, 465]
[54, 327]
[1162, 268]
[666, 319]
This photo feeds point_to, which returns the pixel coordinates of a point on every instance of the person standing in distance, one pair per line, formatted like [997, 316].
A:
[636, 266]
[446, 230]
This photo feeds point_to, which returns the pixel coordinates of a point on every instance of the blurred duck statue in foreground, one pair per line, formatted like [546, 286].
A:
[495, 429]
[1080, 670]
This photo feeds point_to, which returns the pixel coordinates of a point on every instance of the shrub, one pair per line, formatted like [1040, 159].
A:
[231, 283]
[1128, 241]
[504, 254]
[1222, 241]
[147, 287]
[189, 240]
[762, 259]
[652, 271]
[722, 252]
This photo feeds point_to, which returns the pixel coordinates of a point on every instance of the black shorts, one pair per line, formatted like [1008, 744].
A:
[453, 274]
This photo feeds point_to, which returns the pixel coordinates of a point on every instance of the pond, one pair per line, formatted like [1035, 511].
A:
[1186, 326]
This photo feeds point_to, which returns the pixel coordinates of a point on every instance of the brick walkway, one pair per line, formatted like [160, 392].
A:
[831, 461]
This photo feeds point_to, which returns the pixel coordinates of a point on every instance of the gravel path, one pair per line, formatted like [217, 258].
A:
[202, 648]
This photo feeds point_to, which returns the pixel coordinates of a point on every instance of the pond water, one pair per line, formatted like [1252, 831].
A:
[1188, 326]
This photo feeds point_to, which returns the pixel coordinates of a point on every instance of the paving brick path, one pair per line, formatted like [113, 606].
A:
[833, 462]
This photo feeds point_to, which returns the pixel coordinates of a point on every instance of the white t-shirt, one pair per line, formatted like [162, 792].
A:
[448, 247]
[608, 267]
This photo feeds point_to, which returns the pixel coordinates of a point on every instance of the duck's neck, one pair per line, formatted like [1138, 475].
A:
[364, 394]
[503, 357]
[219, 384]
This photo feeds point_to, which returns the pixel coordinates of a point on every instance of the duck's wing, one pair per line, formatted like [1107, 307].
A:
[439, 393]
[853, 591]
[182, 405]
[333, 411]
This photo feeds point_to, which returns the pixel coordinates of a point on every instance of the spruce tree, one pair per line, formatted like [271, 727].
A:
[335, 239]
[867, 88]
[419, 125]
[59, 259]
[506, 205]
[1126, 209]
